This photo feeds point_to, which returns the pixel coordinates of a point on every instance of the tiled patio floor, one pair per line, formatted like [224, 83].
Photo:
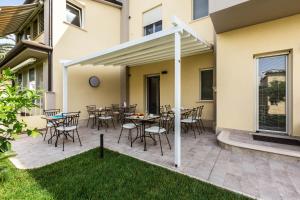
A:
[255, 174]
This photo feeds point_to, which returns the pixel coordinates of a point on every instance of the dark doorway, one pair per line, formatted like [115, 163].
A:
[153, 94]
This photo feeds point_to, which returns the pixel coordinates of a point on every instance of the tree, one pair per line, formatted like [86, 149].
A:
[6, 44]
[12, 100]
[276, 92]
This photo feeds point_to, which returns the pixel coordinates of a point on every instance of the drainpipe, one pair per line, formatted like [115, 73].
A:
[50, 43]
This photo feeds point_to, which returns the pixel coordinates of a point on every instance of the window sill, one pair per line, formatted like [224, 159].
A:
[72, 25]
[205, 101]
[199, 19]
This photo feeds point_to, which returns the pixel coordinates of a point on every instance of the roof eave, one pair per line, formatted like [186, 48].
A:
[22, 46]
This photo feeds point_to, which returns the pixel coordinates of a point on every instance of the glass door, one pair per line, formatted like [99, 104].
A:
[153, 94]
[272, 94]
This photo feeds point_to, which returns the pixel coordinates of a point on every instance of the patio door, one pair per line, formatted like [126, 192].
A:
[272, 98]
[153, 94]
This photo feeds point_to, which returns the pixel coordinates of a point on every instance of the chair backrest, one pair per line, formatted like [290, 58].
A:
[194, 113]
[71, 119]
[132, 108]
[115, 107]
[91, 107]
[107, 111]
[51, 112]
[200, 111]
[168, 108]
[161, 109]
[164, 121]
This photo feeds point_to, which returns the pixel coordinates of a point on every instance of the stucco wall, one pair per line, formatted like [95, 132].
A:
[101, 30]
[190, 83]
[179, 8]
[236, 70]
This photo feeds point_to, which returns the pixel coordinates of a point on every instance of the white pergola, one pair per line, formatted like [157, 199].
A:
[174, 43]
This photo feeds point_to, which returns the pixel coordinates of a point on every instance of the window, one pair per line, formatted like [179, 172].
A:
[73, 14]
[31, 77]
[153, 28]
[152, 20]
[35, 29]
[207, 79]
[200, 8]
[20, 80]
[28, 33]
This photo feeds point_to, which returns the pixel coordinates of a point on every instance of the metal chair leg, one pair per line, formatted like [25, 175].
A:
[120, 135]
[193, 130]
[202, 125]
[87, 125]
[63, 142]
[130, 133]
[46, 133]
[78, 137]
[168, 140]
[160, 145]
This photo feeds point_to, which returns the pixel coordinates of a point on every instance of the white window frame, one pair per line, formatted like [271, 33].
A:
[80, 8]
[200, 84]
[288, 93]
[192, 11]
[154, 27]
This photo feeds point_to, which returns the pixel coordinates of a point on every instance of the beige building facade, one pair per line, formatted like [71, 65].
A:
[224, 79]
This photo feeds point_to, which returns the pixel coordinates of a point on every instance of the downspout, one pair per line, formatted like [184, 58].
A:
[50, 42]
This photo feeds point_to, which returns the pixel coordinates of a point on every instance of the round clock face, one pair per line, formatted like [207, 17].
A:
[94, 81]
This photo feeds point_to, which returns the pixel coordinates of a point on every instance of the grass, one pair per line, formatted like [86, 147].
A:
[117, 176]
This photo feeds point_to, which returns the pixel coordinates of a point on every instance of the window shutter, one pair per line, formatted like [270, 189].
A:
[152, 16]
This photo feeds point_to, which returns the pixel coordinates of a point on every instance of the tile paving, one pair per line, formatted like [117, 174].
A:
[256, 174]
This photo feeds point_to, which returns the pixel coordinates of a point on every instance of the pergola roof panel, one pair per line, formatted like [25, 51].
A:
[149, 49]
[13, 17]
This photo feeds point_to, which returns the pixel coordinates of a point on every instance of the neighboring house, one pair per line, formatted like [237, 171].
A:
[224, 77]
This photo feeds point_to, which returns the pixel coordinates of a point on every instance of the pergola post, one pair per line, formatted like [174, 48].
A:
[177, 99]
[65, 86]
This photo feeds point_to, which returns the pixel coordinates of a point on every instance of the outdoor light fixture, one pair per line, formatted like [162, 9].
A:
[29, 61]
[164, 72]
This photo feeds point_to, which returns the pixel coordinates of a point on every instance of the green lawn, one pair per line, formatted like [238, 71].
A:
[117, 176]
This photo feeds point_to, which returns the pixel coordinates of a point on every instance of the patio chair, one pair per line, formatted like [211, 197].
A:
[191, 121]
[104, 117]
[161, 109]
[199, 118]
[131, 109]
[91, 110]
[70, 124]
[49, 125]
[168, 108]
[116, 111]
[159, 129]
[129, 125]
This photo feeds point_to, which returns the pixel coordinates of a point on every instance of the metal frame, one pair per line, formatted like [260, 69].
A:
[176, 42]
[287, 110]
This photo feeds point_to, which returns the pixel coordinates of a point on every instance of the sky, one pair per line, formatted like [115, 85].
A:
[10, 2]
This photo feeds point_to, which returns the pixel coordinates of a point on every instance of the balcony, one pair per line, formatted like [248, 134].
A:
[228, 15]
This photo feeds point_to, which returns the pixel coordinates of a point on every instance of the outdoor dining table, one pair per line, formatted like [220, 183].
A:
[54, 120]
[143, 120]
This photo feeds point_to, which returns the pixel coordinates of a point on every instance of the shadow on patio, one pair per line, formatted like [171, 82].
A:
[246, 172]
